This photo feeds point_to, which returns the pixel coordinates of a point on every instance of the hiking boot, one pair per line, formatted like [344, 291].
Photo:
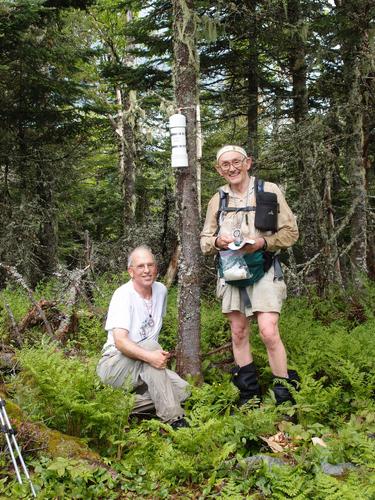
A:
[245, 379]
[281, 391]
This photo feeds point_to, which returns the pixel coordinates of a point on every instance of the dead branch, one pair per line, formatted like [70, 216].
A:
[14, 328]
[348, 248]
[88, 251]
[93, 310]
[217, 350]
[12, 271]
[72, 298]
[330, 240]
[172, 268]
[33, 316]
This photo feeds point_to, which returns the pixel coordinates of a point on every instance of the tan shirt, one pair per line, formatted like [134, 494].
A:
[286, 235]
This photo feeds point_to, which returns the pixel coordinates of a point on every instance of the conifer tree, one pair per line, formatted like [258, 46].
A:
[42, 128]
[354, 24]
[185, 73]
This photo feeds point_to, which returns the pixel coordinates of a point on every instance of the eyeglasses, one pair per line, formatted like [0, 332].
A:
[142, 267]
[236, 163]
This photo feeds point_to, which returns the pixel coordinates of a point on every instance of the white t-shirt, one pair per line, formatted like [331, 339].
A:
[142, 319]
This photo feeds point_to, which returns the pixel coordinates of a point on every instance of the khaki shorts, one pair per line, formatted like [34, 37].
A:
[266, 295]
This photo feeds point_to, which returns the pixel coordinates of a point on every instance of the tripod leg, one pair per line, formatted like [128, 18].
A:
[8, 431]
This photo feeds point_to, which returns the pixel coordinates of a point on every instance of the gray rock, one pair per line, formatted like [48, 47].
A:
[337, 470]
[255, 461]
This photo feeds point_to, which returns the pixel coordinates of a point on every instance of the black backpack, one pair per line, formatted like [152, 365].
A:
[266, 208]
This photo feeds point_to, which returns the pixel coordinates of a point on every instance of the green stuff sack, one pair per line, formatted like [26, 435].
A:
[241, 269]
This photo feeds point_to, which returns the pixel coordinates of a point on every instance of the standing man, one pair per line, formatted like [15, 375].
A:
[132, 351]
[263, 299]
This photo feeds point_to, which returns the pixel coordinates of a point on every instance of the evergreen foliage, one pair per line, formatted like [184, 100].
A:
[274, 76]
[43, 131]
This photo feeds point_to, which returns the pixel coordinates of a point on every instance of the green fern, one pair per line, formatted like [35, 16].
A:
[283, 482]
[66, 393]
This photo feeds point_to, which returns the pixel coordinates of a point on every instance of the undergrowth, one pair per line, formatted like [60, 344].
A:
[65, 393]
[331, 348]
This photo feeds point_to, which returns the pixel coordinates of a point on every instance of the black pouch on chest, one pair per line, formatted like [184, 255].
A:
[266, 211]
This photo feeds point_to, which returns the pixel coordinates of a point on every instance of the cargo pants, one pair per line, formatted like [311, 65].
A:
[159, 389]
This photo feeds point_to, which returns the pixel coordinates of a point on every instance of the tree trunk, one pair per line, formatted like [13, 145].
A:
[252, 82]
[354, 18]
[331, 270]
[186, 93]
[126, 161]
[357, 175]
[47, 248]
[26, 232]
[309, 181]
[368, 96]
[124, 126]
[297, 63]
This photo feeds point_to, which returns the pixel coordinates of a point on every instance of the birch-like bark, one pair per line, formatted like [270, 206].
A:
[125, 134]
[124, 126]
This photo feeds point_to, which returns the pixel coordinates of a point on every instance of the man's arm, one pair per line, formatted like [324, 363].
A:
[208, 235]
[157, 359]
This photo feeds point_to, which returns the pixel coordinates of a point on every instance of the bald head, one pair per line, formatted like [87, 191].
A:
[141, 250]
[142, 269]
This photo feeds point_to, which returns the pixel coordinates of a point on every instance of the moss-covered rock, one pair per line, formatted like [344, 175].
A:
[38, 438]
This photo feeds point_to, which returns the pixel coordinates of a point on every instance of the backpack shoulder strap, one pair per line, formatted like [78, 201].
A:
[223, 203]
[259, 185]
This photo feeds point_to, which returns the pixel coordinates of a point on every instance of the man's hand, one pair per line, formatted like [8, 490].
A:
[258, 245]
[158, 359]
[223, 241]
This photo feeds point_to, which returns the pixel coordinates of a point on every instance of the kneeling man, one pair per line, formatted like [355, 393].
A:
[132, 351]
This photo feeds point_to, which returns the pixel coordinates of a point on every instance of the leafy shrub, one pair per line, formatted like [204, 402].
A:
[339, 360]
[191, 455]
[169, 333]
[65, 478]
[105, 286]
[90, 336]
[215, 329]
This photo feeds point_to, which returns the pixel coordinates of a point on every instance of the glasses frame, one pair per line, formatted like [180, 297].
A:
[231, 163]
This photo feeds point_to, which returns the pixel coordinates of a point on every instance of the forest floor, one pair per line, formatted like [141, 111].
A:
[80, 441]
